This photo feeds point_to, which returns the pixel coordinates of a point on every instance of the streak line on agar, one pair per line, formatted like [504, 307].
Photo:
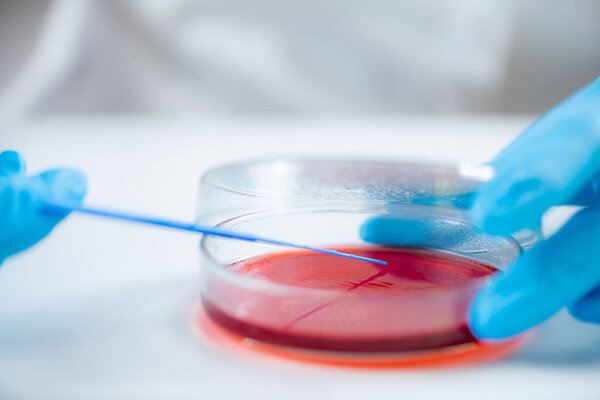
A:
[322, 306]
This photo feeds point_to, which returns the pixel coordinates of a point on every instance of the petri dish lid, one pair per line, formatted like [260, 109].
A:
[258, 185]
[347, 179]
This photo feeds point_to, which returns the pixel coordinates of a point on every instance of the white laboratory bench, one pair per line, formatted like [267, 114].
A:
[101, 310]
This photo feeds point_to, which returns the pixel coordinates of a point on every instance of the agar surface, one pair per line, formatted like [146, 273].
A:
[373, 308]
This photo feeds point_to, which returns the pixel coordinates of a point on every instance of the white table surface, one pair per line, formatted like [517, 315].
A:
[100, 310]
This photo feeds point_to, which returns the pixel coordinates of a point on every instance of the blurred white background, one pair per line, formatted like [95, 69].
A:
[144, 96]
[244, 57]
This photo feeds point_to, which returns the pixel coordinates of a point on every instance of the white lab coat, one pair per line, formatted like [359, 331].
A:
[290, 57]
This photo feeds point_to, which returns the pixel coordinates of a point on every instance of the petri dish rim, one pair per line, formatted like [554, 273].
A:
[284, 289]
[476, 173]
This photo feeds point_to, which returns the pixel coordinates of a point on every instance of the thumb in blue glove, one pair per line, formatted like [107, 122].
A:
[555, 161]
[22, 224]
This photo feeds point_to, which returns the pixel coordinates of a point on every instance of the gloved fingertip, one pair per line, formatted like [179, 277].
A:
[587, 309]
[11, 163]
[585, 314]
[483, 203]
[491, 315]
[365, 230]
[480, 318]
[393, 230]
[377, 229]
[499, 225]
[483, 214]
[496, 219]
[65, 185]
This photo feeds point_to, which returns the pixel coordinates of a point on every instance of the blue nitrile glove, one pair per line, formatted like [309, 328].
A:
[411, 229]
[555, 161]
[22, 224]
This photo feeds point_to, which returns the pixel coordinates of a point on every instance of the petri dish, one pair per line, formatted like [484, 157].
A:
[315, 303]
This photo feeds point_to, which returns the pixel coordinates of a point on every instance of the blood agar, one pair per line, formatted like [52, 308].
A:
[417, 302]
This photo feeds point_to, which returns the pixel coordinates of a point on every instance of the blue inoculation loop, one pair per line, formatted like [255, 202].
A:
[51, 207]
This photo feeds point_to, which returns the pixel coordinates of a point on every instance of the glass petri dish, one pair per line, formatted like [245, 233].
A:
[318, 303]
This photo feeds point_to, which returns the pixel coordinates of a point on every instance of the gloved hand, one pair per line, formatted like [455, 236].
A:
[22, 224]
[555, 161]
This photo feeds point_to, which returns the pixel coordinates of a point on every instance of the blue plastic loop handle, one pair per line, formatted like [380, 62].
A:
[51, 207]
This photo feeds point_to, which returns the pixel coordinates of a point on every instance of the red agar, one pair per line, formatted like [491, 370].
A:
[375, 308]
